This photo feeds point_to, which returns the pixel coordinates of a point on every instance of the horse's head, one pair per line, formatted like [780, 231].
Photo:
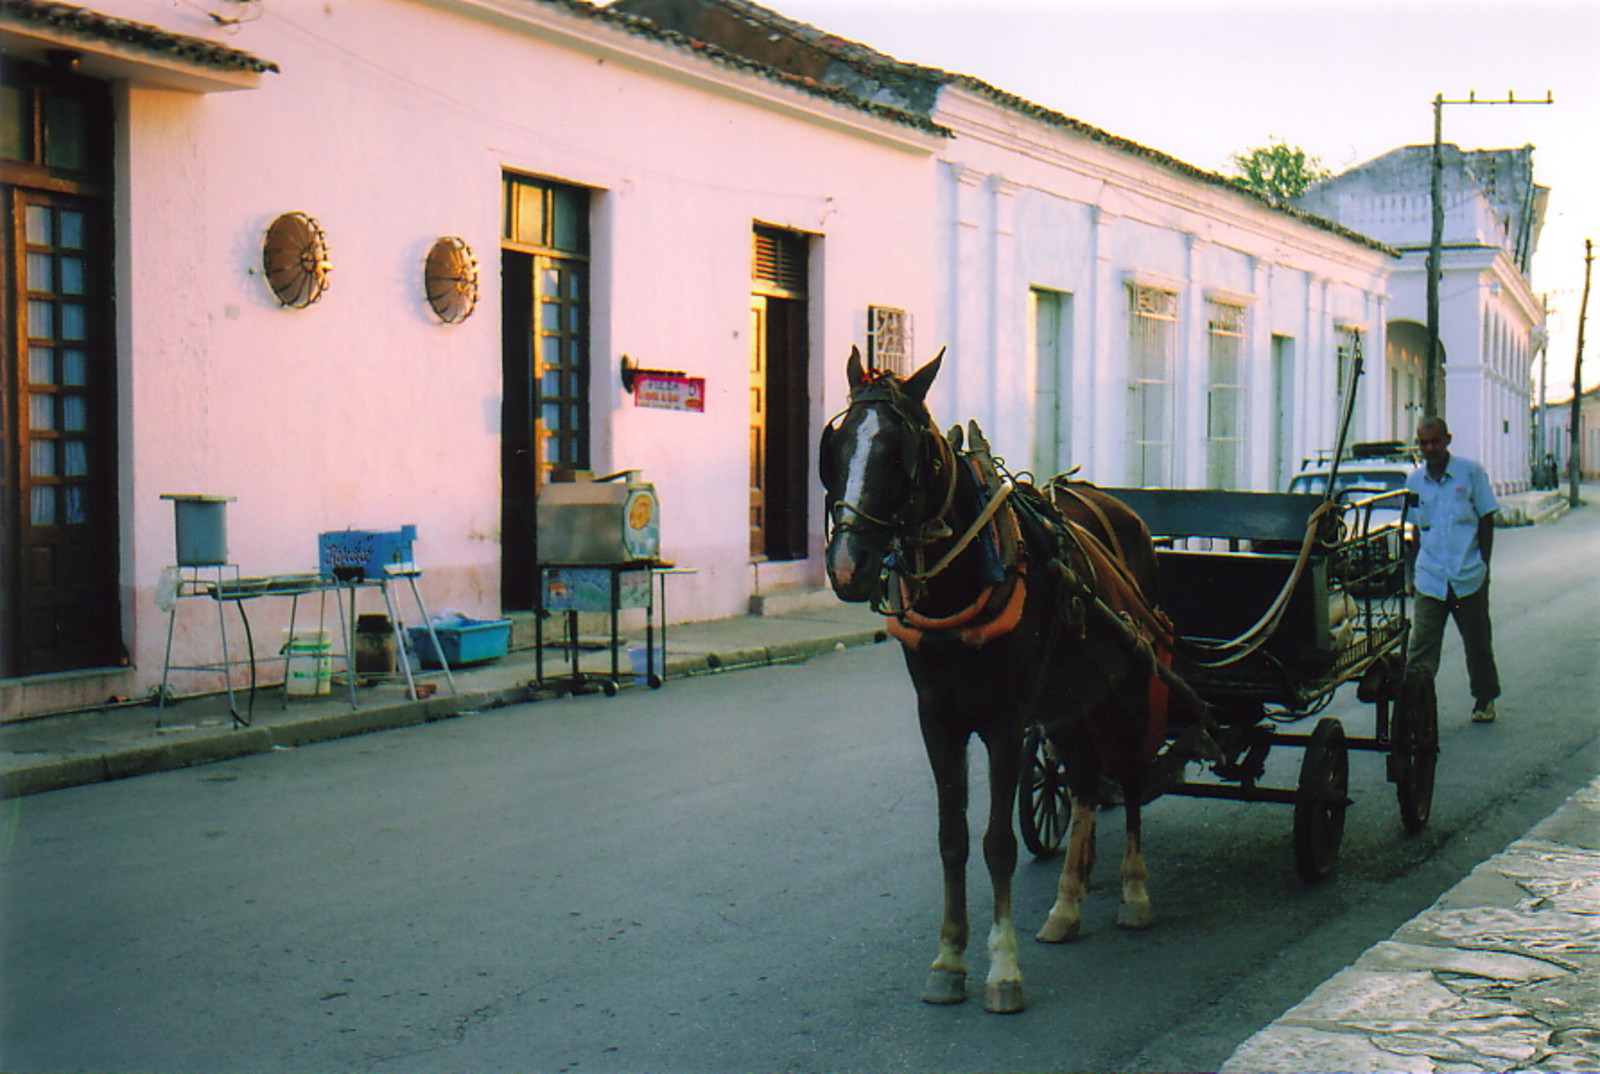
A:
[876, 461]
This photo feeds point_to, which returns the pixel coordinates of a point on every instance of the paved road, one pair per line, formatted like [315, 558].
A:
[730, 874]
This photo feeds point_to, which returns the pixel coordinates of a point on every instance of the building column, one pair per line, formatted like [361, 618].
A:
[1191, 373]
[1105, 358]
[1008, 415]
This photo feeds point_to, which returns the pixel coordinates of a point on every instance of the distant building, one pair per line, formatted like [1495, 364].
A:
[1556, 422]
[1489, 316]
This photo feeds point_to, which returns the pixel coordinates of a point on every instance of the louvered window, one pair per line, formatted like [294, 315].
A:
[780, 263]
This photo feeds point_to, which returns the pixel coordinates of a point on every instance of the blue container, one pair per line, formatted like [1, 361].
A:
[468, 641]
[353, 555]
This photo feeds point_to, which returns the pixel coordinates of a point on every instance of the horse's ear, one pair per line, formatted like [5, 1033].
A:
[918, 383]
[854, 372]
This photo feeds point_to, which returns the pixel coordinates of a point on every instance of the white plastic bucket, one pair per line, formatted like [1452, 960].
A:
[310, 663]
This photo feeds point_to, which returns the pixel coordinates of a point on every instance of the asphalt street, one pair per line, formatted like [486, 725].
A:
[734, 873]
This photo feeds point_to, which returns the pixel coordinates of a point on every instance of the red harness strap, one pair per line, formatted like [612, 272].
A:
[969, 626]
[1156, 733]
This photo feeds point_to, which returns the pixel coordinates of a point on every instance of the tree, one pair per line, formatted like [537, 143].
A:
[1278, 170]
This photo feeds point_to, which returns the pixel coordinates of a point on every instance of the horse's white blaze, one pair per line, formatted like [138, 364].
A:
[855, 473]
[842, 563]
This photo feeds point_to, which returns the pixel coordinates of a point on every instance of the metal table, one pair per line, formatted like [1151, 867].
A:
[605, 588]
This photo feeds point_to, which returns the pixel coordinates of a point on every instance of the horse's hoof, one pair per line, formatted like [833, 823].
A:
[1136, 916]
[1055, 931]
[945, 987]
[1004, 997]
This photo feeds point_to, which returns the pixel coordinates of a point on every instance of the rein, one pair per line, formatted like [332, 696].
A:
[985, 516]
[1267, 625]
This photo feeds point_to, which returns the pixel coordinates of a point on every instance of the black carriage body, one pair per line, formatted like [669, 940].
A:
[1224, 559]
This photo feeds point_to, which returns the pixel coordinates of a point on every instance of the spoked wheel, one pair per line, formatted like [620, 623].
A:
[1320, 800]
[1415, 751]
[1043, 806]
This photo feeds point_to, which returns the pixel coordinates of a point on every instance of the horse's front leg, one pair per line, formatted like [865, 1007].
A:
[947, 755]
[1003, 991]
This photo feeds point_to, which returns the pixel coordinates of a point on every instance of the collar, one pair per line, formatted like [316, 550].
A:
[1448, 474]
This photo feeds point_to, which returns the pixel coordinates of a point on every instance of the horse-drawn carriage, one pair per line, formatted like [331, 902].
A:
[1093, 640]
[1276, 600]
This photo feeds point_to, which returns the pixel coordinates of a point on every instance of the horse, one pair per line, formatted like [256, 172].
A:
[1012, 608]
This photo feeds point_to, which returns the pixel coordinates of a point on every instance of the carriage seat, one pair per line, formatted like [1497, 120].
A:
[1224, 557]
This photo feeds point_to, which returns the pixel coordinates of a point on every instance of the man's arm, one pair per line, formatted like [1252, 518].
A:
[1483, 497]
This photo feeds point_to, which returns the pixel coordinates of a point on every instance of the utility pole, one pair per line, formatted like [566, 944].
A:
[1536, 421]
[1573, 440]
[1433, 377]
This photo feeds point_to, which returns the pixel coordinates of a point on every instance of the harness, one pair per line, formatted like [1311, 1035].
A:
[996, 534]
[1114, 589]
[1014, 527]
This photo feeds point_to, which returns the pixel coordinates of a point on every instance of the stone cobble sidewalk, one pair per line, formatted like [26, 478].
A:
[1502, 973]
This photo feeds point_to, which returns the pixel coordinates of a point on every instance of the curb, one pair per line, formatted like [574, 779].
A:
[232, 744]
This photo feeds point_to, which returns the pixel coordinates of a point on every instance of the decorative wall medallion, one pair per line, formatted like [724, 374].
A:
[450, 280]
[295, 257]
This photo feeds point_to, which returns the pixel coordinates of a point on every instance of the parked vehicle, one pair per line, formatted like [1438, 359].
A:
[1370, 487]
[1373, 467]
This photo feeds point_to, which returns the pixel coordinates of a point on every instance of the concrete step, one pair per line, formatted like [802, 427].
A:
[1532, 508]
[788, 599]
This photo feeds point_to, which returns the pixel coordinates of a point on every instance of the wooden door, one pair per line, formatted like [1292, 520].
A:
[61, 609]
[758, 427]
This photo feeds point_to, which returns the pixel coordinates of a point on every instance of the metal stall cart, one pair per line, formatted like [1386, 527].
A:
[598, 552]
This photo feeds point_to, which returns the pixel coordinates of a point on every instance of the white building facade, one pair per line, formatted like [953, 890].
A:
[1490, 318]
[629, 197]
[1144, 321]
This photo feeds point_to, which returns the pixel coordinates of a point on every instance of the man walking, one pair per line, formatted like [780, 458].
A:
[1450, 569]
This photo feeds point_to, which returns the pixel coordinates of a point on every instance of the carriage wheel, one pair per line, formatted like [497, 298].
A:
[1416, 751]
[1043, 805]
[1321, 800]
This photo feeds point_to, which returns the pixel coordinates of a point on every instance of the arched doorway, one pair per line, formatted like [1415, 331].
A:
[1405, 366]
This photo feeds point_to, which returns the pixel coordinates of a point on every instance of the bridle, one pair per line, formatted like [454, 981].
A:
[929, 461]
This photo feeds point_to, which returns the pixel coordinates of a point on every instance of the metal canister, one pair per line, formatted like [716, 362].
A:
[374, 645]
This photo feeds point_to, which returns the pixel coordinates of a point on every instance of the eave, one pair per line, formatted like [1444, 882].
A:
[117, 49]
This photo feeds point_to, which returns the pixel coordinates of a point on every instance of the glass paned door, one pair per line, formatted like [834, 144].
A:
[62, 550]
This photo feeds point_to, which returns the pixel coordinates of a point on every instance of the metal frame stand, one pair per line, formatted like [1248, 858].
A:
[577, 681]
[402, 656]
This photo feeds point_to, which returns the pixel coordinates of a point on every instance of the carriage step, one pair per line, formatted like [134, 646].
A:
[1234, 792]
[1354, 742]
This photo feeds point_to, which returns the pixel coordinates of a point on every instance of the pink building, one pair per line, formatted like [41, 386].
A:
[377, 263]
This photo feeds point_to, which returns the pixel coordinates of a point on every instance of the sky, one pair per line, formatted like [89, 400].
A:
[1201, 80]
